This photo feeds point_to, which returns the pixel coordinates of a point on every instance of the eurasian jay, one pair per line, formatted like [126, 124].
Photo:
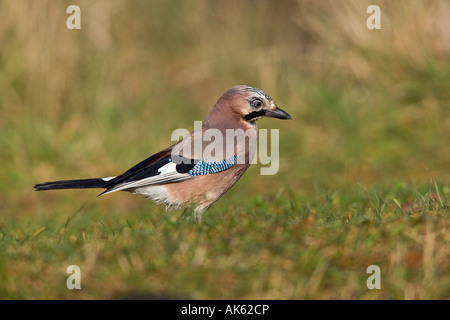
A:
[201, 167]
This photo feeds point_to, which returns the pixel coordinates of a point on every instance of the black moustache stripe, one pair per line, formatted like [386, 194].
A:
[254, 114]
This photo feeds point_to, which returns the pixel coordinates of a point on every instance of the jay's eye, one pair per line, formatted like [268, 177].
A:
[256, 103]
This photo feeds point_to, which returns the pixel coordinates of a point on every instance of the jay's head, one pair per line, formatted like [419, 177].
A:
[245, 104]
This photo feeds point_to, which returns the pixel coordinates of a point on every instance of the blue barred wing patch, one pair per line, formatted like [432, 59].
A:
[205, 167]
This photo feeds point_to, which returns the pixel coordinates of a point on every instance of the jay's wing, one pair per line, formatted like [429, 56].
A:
[157, 169]
[163, 168]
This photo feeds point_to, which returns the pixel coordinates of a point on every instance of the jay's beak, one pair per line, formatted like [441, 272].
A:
[277, 113]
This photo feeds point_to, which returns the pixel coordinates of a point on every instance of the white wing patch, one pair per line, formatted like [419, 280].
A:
[168, 168]
[108, 179]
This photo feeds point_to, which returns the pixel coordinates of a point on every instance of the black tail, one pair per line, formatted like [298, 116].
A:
[71, 184]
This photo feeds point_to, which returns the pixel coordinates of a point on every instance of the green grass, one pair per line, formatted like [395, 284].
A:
[281, 247]
[364, 173]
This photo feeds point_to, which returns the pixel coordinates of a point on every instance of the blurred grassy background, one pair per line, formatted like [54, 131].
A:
[364, 164]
